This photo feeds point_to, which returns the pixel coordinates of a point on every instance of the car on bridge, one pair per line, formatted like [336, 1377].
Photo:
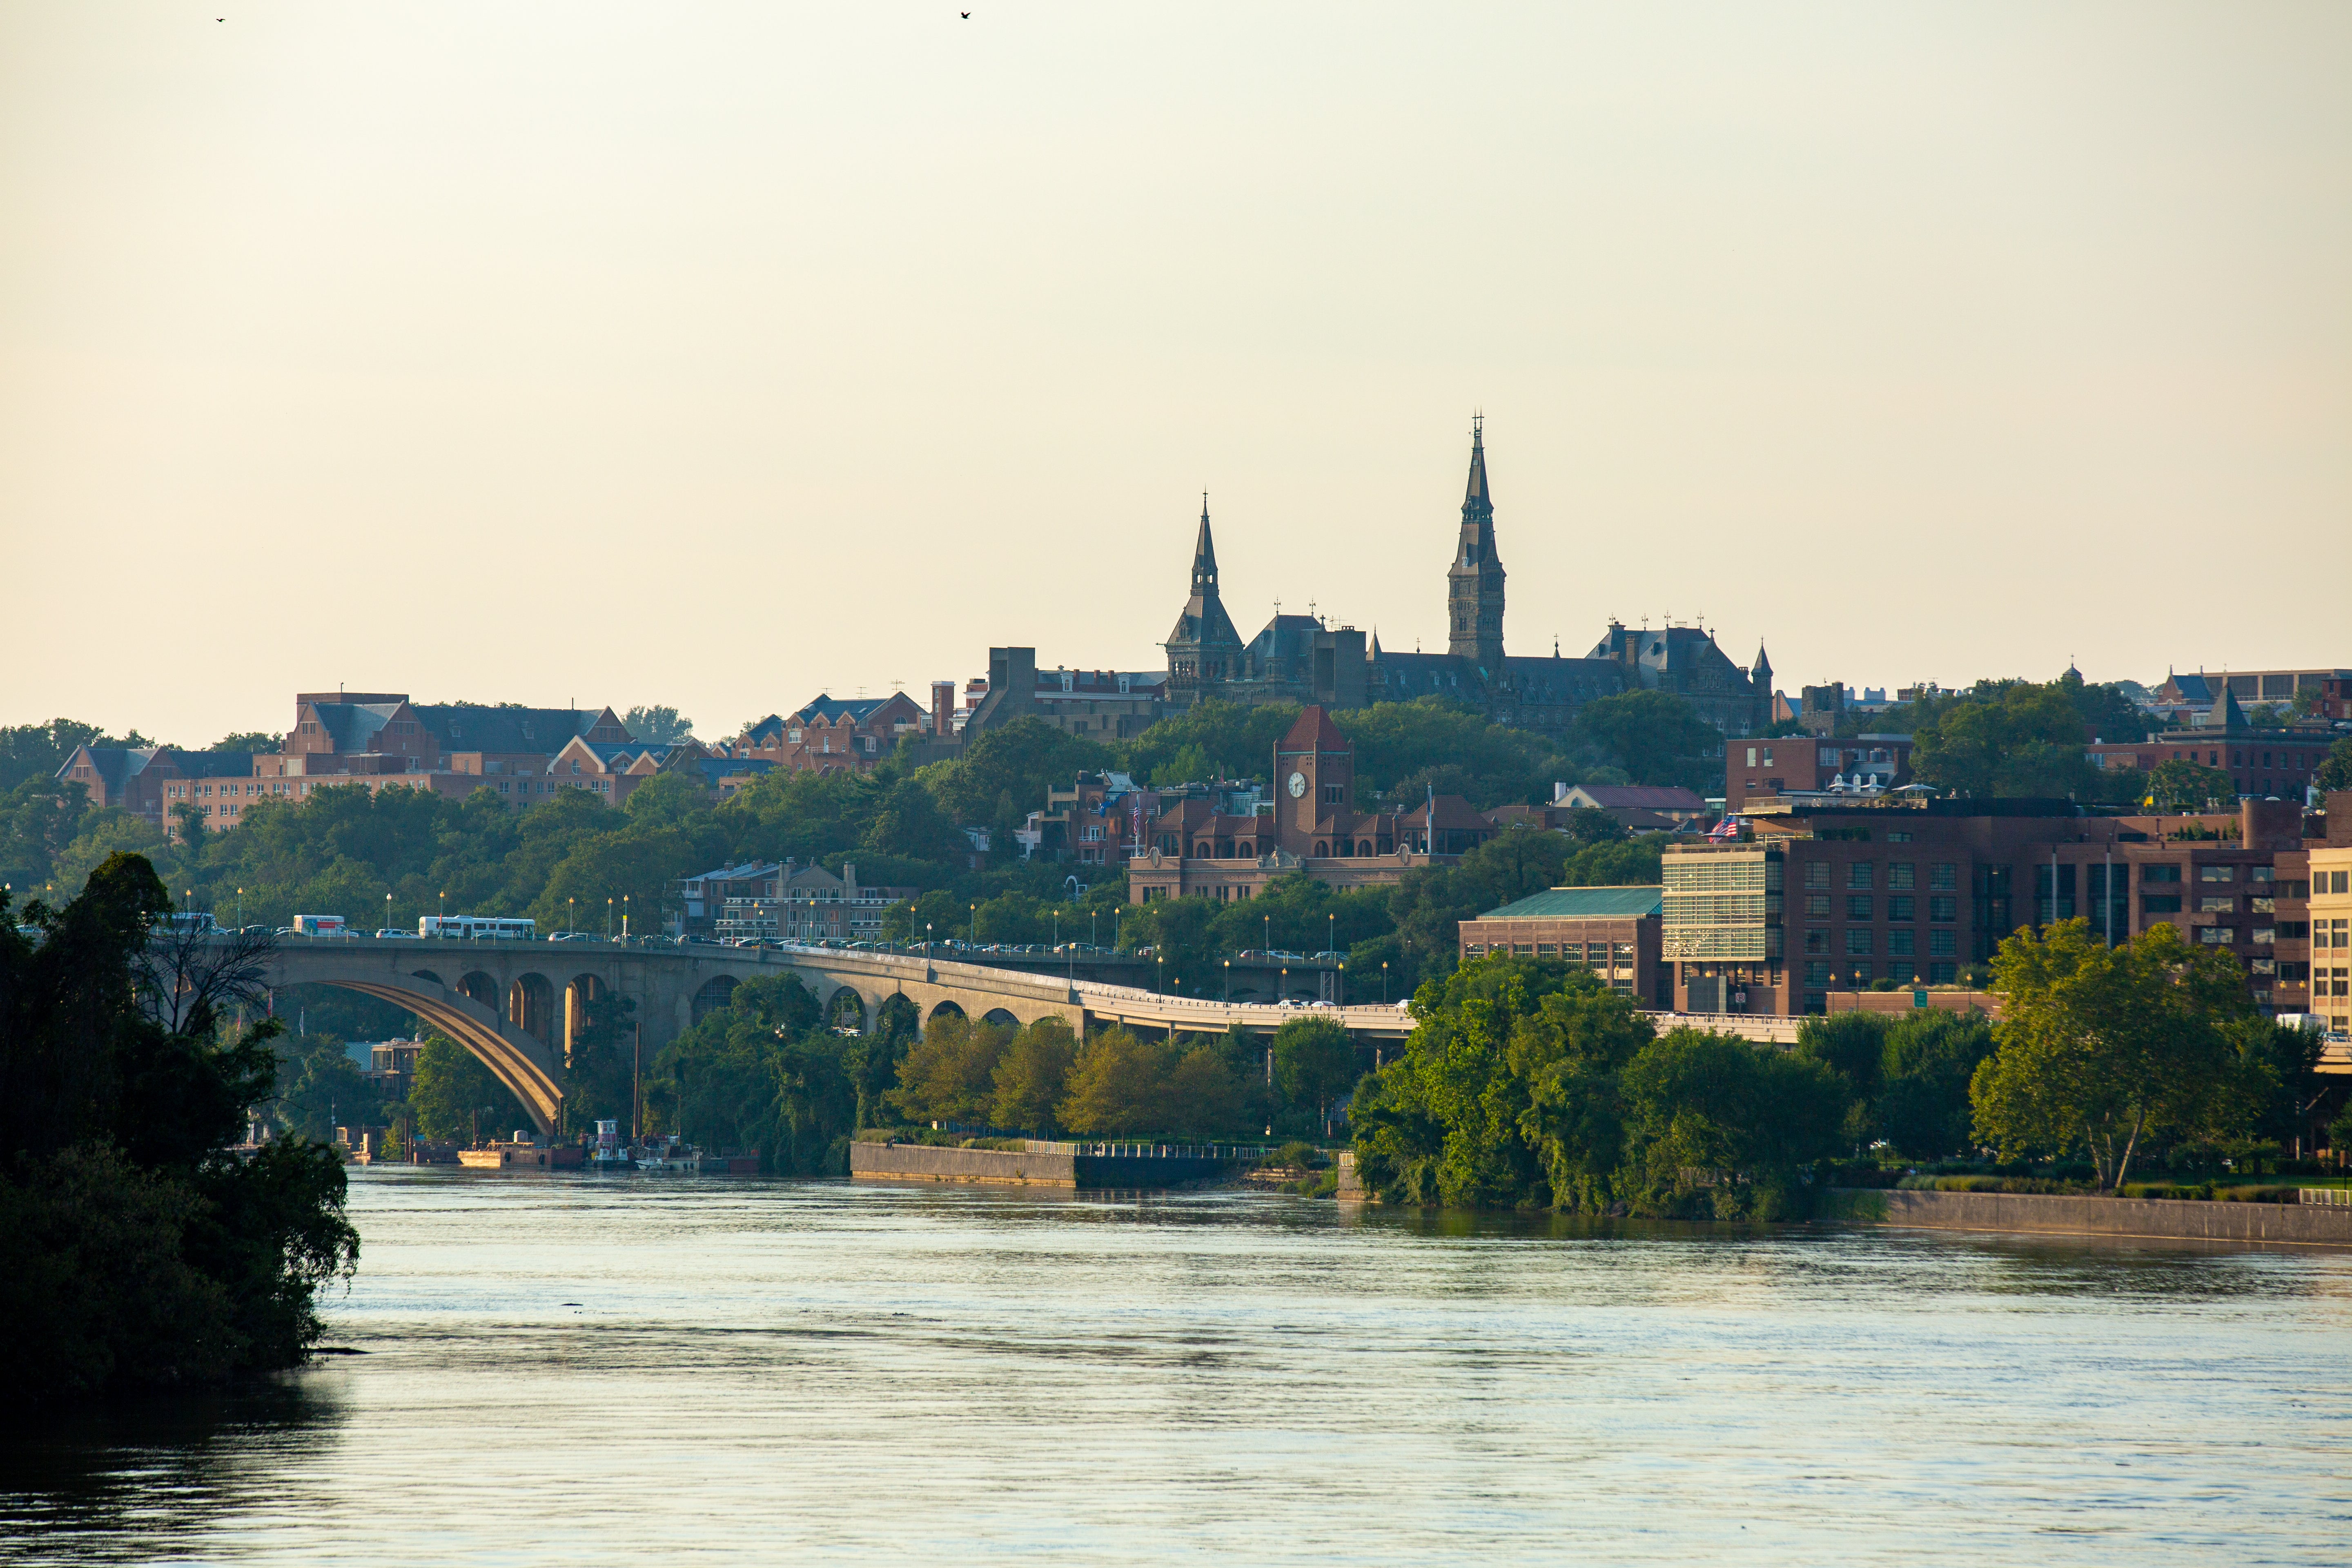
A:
[392, 933]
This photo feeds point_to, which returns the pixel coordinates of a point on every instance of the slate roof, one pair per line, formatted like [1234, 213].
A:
[1581, 904]
[542, 730]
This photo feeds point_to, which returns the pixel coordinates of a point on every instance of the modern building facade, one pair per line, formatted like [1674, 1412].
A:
[1612, 932]
[1824, 898]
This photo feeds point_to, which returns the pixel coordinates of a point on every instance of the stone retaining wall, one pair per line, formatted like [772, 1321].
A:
[930, 1163]
[2171, 1218]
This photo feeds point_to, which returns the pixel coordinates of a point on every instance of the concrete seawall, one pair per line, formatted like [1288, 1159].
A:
[2169, 1219]
[1011, 1167]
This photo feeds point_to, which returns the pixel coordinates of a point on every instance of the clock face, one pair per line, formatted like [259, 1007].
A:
[1298, 786]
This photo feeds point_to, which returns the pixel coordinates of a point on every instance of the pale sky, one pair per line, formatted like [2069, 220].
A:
[723, 353]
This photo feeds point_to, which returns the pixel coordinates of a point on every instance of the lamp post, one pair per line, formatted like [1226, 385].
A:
[1340, 989]
[624, 917]
[1057, 928]
[445, 912]
[1161, 960]
[1267, 920]
[927, 943]
[571, 913]
[1229, 981]
[387, 913]
[608, 936]
[1331, 933]
[974, 938]
[1282, 987]
[240, 907]
[1384, 981]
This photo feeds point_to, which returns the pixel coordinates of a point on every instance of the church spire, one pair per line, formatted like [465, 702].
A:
[1205, 555]
[1474, 583]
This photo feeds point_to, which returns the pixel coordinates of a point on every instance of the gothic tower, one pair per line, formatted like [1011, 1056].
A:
[1474, 583]
[1203, 651]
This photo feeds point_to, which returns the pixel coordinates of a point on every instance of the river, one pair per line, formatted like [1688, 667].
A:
[590, 1369]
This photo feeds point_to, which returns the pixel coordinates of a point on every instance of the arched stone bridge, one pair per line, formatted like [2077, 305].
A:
[516, 1004]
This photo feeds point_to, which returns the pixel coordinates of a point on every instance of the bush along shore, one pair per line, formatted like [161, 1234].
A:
[2139, 1070]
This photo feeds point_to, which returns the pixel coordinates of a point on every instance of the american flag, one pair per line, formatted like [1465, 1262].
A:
[1728, 829]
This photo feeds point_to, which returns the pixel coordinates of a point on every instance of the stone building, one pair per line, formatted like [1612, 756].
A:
[1305, 660]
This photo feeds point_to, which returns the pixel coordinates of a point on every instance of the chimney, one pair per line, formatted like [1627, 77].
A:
[943, 708]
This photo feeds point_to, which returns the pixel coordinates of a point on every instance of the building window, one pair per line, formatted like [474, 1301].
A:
[1899, 906]
[1817, 972]
[1899, 874]
[2217, 936]
[1862, 873]
[1900, 944]
[2160, 874]
[2217, 873]
[2217, 906]
[1817, 874]
[2159, 903]
[1816, 941]
[1943, 908]
[1857, 940]
[1817, 905]
[1940, 975]
[1940, 944]
[1861, 976]
[1944, 878]
[1857, 907]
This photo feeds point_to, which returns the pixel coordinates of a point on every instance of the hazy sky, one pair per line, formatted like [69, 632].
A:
[720, 355]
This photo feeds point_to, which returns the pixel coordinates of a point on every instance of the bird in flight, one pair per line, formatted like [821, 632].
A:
[965, 14]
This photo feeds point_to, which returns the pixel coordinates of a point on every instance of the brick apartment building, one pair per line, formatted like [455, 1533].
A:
[2262, 760]
[1104, 704]
[1808, 764]
[1837, 898]
[829, 734]
[378, 741]
[782, 900]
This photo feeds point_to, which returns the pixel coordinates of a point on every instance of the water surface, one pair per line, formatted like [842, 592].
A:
[570, 1367]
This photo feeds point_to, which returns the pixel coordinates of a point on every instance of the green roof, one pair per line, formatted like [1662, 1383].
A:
[1581, 904]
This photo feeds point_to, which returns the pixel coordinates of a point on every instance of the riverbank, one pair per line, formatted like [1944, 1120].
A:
[1049, 1164]
[2283, 1224]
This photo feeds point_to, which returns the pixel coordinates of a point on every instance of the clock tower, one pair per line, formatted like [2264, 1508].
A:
[1314, 779]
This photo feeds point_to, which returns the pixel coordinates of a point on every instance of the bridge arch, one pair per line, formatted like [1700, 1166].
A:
[999, 1016]
[846, 1009]
[531, 1006]
[579, 992]
[944, 1010]
[476, 987]
[511, 1056]
[715, 993]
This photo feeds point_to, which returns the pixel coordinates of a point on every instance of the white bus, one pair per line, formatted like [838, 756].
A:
[473, 927]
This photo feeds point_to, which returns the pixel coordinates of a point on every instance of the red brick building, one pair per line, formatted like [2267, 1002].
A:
[1614, 931]
[1310, 826]
[830, 735]
[2262, 760]
[1763, 769]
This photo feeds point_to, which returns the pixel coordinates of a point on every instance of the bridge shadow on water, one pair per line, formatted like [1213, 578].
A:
[135, 1479]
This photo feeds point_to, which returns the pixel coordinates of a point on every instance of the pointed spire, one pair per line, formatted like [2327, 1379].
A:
[1475, 495]
[2232, 716]
[1763, 668]
[1205, 552]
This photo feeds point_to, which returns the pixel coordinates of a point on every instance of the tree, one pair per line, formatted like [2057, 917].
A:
[1930, 1056]
[257, 742]
[909, 823]
[1004, 772]
[950, 1075]
[134, 1250]
[455, 1096]
[657, 724]
[1314, 1065]
[2334, 769]
[1119, 1087]
[319, 1088]
[2100, 1046]
[1657, 737]
[1718, 1126]
[2008, 738]
[1033, 1076]
[2178, 785]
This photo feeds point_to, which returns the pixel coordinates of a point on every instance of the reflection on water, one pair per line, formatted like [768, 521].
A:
[573, 1367]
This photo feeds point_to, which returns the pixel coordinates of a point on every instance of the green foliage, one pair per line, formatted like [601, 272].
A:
[1655, 736]
[657, 723]
[320, 1088]
[950, 1075]
[1210, 740]
[1033, 1076]
[764, 1073]
[135, 1251]
[2100, 1047]
[1717, 1128]
[1124, 1087]
[1403, 747]
[2008, 738]
[254, 743]
[1314, 1064]
[2178, 785]
[2334, 769]
[1015, 762]
[455, 1096]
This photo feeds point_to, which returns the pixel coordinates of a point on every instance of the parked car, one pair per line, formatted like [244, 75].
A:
[394, 933]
